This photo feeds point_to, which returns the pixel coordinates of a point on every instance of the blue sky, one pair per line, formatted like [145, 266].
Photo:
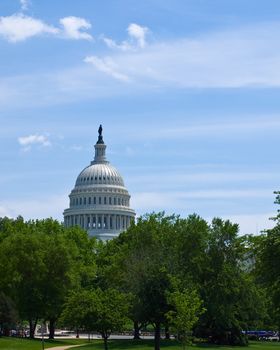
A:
[187, 93]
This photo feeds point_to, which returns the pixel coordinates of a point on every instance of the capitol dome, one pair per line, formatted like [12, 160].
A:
[99, 202]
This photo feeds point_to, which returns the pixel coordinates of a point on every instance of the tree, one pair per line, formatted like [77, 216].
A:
[144, 259]
[229, 294]
[104, 311]
[145, 269]
[35, 275]
[268, 265]
[22, 264]
[187, 307]
[8, 314]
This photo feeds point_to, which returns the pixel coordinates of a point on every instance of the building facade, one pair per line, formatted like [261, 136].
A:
[99, 202]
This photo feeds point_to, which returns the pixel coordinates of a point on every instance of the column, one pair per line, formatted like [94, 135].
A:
[90, 221]
[102, 222]
[113, 222]
[109, 221]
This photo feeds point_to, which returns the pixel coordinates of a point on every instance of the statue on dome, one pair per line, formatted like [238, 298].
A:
[100, 130]
[100, 137]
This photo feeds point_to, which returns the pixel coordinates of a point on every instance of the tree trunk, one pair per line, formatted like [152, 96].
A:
[167, 334]
[52, 328]
[105, 339]
[157, 336]
[136, 330]
[32, 327]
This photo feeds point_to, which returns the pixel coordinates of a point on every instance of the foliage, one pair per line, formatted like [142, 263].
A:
[229, 294]
[187, 309]
[104, 311]
[35, 275]
[8, 313]
[163, 271]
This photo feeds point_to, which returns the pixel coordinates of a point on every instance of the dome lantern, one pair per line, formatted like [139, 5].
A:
[100, 149]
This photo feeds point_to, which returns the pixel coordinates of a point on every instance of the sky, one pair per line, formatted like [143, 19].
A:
[187, 92]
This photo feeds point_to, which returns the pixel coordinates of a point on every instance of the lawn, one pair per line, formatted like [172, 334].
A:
[172, 345]
[26, 344]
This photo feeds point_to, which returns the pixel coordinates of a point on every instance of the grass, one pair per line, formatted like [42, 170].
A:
[26, 344]
[173, 345]
[7, 343]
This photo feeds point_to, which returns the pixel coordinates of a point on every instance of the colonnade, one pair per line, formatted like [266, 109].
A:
[98, 221]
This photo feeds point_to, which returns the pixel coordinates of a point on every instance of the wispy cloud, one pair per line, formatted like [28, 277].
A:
[188, 202]
[28, 141]
[107, 66]
[173, 199]
[37, 208]
[252, 223]
[138, 33]
[137, 39]
[73, 27]
[24, 4]
[248, 56]
[19, 27]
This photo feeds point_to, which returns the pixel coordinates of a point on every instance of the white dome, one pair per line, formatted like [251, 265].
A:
[99, 174]
[99, 201]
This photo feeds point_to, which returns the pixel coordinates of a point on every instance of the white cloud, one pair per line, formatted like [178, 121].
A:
[19, 27]
[184, 203]
[242, 57]
[107, 66]
[24, 4]
[37, 208]
[124, 46]
[5, 212]
[139, 33]
[252, 223]
[72, 27]
[250, 58]
[28, 141]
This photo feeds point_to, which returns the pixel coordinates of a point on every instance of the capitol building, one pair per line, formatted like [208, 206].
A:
[99, 202]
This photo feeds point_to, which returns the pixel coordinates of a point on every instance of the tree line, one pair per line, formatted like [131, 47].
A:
[183, 276]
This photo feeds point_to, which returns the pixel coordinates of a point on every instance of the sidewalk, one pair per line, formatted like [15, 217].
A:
[65, 347]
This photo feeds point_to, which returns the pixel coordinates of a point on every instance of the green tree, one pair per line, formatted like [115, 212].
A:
[268, 266]
[22, 264]
[104, 311]
[145, 269]
[43, 261]
[229, 295]
[8, 314]
[187, 307]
